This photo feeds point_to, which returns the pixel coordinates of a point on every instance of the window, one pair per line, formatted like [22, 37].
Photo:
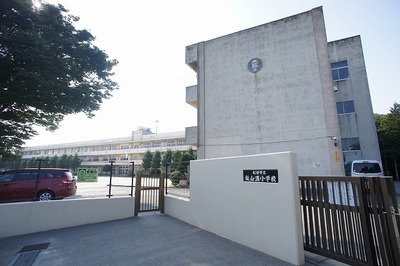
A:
[123, 170]
[340, 70]
[156, 144]
[367, 167]
[345, 107]
[350, 144]
[6, 177]
[171, 143]
[25, 176]
[147, 145]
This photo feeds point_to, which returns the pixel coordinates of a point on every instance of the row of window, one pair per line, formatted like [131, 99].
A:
[146, 145]
[111, 158]
[340, 71]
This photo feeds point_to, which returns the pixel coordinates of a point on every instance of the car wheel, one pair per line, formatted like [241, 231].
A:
[45, 196]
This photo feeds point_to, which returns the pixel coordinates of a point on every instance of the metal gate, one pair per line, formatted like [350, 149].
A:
[351, 219]
[149, 195]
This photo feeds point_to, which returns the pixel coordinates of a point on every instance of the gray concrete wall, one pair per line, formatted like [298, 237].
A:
[360, 124]
[263, 216]
[289, 105]
[191, 135]
[191, 95]
[30, 217]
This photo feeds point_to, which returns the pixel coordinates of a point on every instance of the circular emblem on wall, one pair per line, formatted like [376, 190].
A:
[254, 65]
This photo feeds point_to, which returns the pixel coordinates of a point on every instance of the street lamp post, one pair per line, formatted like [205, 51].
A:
[156, 125]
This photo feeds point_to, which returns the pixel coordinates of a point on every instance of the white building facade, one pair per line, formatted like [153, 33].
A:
[122, 151]
[270, 89]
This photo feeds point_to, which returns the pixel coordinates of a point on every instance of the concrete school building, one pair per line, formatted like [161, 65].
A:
[123, 151]
[282, 86]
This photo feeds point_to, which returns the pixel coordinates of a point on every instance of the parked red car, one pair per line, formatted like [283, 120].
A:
[34, 184]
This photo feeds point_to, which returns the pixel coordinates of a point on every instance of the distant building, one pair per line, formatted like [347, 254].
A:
[123, 151]
[282, 87]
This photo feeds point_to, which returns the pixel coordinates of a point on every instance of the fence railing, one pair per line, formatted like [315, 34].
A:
[351, 219]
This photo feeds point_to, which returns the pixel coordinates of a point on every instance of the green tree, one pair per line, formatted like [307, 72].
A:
[53, 161]
[176, 159]
[146, 160]
[63, 161]
[185, 159]
[32, 162]
[188, 155]
[24, 163]
[45, 161]
[167, 158]
[75, 162]
[156, 161]
[48, 69]
[388, 129]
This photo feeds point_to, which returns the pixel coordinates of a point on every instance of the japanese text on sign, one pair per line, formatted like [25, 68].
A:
[266, 176]
[87, 175]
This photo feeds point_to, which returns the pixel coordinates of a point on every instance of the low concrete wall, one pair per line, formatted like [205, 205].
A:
[30, 217]
[261, 215]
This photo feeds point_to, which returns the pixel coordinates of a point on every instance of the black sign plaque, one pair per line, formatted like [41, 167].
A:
[265, 176]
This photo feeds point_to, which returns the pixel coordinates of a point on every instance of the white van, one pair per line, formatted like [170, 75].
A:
[364, 168]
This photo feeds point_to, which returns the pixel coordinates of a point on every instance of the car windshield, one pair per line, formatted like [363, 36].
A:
[367, 168]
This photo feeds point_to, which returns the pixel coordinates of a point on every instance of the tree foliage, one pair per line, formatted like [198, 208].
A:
[156, 160]
[48, 69]
[70, 162]
[176, 160]
[388, 129]
[146, 160]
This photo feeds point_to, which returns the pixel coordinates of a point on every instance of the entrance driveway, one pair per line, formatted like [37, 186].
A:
[149, 239]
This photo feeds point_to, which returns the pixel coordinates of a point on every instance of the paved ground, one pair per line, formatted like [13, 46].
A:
[150, 239]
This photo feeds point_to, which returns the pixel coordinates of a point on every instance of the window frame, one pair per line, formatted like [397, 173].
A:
[343, 108]
[337, 67]
[346, 145]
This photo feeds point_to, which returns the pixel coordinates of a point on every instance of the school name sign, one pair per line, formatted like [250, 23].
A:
[261, 175]
[87, 174]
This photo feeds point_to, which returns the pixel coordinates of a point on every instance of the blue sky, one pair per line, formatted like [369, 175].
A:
[148, 38]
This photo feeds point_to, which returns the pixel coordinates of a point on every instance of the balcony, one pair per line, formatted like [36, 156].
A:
[191, 135]
[191, 56]
[191, 95]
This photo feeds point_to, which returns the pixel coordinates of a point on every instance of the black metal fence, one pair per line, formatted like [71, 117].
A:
[351, 219]
[109, 183]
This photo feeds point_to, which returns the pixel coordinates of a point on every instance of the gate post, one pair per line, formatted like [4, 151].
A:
[161, 191]
[137, 193]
